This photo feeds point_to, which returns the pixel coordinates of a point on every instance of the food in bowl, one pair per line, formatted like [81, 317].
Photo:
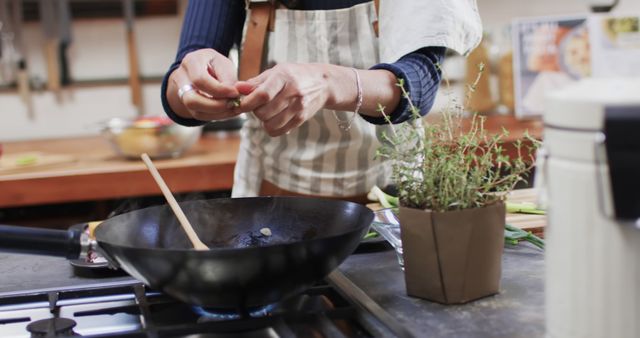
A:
[159, 137]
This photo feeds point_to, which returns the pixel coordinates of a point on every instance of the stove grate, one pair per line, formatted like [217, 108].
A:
[320, 311]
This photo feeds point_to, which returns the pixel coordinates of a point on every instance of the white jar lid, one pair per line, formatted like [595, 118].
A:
[581, 106]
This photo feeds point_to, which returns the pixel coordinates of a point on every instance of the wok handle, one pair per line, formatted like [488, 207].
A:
[49, 242]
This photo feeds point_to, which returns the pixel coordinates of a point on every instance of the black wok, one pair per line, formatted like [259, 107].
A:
[243, 268]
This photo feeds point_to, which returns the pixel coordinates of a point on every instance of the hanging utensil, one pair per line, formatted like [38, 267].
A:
[0, 41]
[17, 18]
[3, 18]
[24, 88]
[22, 76]
[65, 38]
[134, 74]
[7, 58]
[14, 60]
[8, 63]
[51, 49]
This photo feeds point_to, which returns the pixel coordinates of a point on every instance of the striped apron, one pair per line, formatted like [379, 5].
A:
[318, 158]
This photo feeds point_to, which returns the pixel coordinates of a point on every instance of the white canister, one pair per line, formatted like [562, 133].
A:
[592, 257]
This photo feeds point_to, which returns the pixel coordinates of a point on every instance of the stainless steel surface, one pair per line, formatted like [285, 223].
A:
[85, 245]
[123, 309]
[516, 311]
[356, 294]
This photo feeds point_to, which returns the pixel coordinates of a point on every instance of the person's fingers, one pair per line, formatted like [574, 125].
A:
[288, 119]
[196, 67]
[263, 93]
[223, 69]
[180, 77]
[196, 102]
[193, 99]
[272, 108]
[245, 87]
[260, 78]
[294, 123]
[207, 116]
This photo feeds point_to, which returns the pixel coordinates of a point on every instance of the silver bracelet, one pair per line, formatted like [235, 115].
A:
[346, 125]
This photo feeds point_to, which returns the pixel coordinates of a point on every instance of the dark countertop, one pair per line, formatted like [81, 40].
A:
[517, 311]
[29, 272]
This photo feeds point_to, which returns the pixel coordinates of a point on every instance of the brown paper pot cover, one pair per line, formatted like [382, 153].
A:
[453, 257]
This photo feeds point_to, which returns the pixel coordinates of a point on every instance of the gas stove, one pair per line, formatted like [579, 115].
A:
[332, 308]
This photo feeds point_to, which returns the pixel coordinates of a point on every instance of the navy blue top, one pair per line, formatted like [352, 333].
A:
[218, 24]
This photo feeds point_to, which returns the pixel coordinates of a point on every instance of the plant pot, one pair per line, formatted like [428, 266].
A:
[453, 257]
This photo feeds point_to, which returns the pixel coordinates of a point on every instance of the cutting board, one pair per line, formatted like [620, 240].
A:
[25, 162]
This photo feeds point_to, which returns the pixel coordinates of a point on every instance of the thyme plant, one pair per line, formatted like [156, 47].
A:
[442, 166]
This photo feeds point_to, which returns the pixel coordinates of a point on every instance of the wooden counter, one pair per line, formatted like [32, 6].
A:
[528, 222]
[96, 173]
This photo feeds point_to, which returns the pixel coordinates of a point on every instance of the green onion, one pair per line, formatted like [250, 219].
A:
[26, 160]
[513, 234]
[371, 234]
[386, 200]
[524, 208]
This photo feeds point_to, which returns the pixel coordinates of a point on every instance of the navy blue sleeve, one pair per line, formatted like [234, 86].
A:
[421, 73]
[218, 24]
[213, 24]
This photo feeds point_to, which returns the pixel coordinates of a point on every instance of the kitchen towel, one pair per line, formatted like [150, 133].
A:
[408, 25]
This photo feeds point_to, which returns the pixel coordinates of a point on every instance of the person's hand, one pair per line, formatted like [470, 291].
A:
[285, 96]
[203, 86]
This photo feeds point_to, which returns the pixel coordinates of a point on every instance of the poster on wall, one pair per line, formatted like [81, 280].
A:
[615, 45]
[549, 53]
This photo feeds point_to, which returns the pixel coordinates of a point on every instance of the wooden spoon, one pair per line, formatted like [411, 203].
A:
[182, 218]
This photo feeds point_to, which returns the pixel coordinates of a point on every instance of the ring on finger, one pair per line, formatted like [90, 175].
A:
[184, 89]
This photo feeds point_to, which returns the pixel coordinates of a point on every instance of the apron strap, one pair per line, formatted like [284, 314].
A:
[376, 5]
[255, 38]
[262, 17]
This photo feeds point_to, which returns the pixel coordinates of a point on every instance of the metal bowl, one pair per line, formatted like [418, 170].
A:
[159, 137]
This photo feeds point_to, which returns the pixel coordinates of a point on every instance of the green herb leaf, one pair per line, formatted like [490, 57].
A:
[452, 164]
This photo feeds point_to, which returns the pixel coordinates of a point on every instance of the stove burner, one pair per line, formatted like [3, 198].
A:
[52, 327]
[207, 314]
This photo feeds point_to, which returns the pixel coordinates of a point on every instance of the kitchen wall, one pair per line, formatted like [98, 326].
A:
[99, 51]
[496, 17]
[497, 13]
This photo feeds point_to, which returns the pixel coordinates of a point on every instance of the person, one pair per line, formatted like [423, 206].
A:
[314, 123]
